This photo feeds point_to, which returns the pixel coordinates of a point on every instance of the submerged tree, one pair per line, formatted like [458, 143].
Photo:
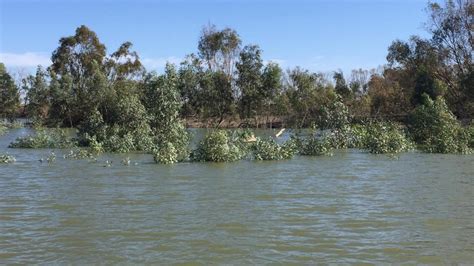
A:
[163, 103]
[435, 128]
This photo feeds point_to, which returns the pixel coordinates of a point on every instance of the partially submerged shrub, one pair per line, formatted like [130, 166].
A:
[470, 135]
[6, 158]
[167, 154]
[15, 124]
[4, 126]
[435, 128]
[51, 138]
[172, 144]
[80, 154]
[357, 136]
[121, 136]
[339, 138]
[219, 146]
[315, 146]
[3, 129]
[383, 137]
[334, 115]
[268, 149]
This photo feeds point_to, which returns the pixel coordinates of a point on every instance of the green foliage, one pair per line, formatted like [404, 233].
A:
[218, 48]
[249, 81]
[384, 138]
[95, 146]
[163, 104]
[341, 86]
[6, 158]
[357, 136]
[126, 129]
[3, 128]
[189, 85]
[80, 154]
[469, 131]
[117, 107]
[268, 149]
[315, 146]
[334, 115]
[50, 138]
[218, 98]
[38, 98]
[339, 137]
[219, 146]
[167, 154]
[9, 95]
[435, 128]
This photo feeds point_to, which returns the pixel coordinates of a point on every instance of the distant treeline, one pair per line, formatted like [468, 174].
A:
[228, 80]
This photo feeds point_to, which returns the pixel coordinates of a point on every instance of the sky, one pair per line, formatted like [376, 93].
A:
[319, 35]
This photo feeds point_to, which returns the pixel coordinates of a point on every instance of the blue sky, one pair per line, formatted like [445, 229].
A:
[319, 35]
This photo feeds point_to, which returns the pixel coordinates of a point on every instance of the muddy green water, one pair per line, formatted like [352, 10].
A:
[350, 208]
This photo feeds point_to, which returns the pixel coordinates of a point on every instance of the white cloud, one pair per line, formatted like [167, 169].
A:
[28, 59]
[160, 63]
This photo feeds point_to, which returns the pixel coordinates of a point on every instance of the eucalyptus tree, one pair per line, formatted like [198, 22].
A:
[423, 69]
[341, 86]
[249, 81]
[124, 64]
[306, 92]
[189, 85]
[38, 96]
[452, 31]
[9, 95]
[78, 66]
[272, 88]
[218, 100]
[219, 48]
[451, 27]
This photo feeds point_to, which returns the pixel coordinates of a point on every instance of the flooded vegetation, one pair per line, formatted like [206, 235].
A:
[292, 167]
[350, 207]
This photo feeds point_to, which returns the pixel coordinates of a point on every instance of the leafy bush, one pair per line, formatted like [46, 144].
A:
[268, 149]
[4, 126]
[470, 135]
[339, 138]
[128, 132]
[219, 146]
[79, 154]
[315, 146]
[15, 124]
[163, 104]
[3, 129]
[51, 138]
[357, 136]
[172, 145]
[167, 154]
[95, 146]
[385, 137]
[435, 128]
[6, 158]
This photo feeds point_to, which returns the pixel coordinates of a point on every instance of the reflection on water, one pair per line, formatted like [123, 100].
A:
[350, 208]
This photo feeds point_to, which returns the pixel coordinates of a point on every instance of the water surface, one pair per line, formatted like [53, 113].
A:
[352, 207]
